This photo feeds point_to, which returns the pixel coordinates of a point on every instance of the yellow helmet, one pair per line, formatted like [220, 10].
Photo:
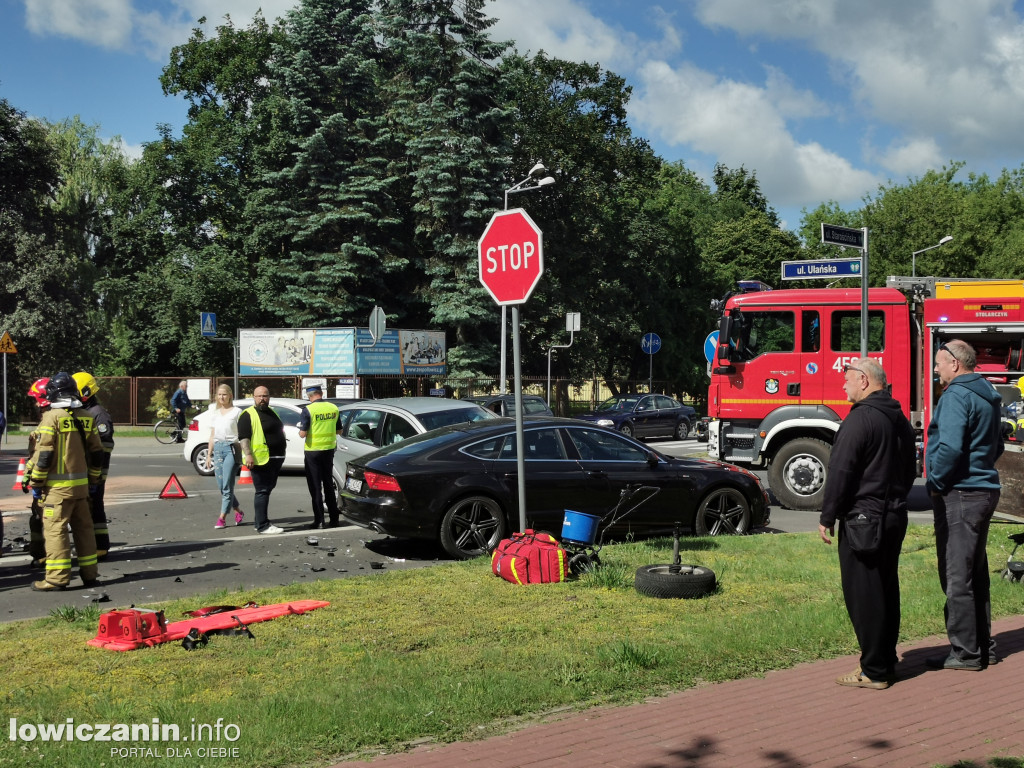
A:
[87, 384]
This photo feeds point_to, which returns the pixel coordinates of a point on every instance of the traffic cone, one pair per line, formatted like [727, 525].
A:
[246, 477]
[20, 477]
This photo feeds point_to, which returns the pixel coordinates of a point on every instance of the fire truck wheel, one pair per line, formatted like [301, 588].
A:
[690, 581]
[797, 473]
[724, 510]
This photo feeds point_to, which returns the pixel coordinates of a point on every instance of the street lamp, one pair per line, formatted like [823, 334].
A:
[537, 170]
[913, 263]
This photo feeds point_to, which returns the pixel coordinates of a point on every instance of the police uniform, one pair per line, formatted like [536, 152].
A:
[67, 460]
[319, 420]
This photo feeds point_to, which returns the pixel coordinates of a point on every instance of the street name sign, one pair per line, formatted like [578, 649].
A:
[821, 269]
[844, 236]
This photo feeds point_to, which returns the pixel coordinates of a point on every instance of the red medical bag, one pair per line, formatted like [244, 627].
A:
[529, 558]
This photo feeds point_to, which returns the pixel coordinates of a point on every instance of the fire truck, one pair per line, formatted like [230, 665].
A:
[776, 396]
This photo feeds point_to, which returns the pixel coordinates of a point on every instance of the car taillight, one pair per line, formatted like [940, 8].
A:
[194, 425]
[378, 482]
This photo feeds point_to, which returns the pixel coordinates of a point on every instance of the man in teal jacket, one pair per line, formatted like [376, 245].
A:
[964, 441]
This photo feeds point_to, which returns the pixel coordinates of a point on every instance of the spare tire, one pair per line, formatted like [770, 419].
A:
[660, 581]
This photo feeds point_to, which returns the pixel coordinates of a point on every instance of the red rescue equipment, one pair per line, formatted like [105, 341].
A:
[126, 630]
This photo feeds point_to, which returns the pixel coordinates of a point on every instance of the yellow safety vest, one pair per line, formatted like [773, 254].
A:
[323, 426]
[258, 443]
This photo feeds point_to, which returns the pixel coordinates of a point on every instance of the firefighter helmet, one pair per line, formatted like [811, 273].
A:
[38, 392]
[61, 387]
[87, 384]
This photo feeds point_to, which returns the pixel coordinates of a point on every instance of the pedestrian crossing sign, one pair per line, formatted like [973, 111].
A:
[208, 323]
[7, 345]
[172, 489]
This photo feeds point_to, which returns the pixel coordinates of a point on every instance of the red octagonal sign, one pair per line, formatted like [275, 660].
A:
[511, 256]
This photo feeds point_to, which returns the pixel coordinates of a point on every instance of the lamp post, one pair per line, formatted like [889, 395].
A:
[913, 262]
[520, 186]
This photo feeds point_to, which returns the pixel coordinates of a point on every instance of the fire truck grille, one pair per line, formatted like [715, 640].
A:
[740, 442]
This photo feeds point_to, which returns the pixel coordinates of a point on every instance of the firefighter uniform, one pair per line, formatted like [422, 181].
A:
[36, 543]
[318, 424]
[105, 429]
[67, 460]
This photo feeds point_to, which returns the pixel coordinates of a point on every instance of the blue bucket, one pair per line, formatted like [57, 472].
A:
[579, 527]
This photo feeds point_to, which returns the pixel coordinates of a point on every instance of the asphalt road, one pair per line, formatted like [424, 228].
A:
[165, 549]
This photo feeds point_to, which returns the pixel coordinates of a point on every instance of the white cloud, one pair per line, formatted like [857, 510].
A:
[907, 158]
[107, 23]
[742, 124]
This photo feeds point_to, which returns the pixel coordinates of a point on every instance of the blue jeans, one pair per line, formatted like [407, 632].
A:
[224, 469]
[962, 521]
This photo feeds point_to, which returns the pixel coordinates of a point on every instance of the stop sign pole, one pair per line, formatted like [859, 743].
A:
[511, 263]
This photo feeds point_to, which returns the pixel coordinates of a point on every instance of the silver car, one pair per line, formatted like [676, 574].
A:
[371, 424]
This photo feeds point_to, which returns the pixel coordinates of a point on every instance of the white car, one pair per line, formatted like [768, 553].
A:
[288, 408]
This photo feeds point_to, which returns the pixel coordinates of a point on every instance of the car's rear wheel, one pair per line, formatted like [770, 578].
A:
[472, 527]
[626, 428]
[724, 510]
[682, 430]
[199, 459]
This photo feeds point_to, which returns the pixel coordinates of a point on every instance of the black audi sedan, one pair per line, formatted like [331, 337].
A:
[457, 485]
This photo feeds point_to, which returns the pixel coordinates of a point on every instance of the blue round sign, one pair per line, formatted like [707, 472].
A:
[711, 346]
[650, 343]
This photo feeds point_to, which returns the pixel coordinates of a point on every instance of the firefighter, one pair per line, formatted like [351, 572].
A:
[68, 459]
[88, 388]
[36, 544]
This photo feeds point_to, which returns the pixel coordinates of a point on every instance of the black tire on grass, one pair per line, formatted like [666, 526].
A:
[690, 581]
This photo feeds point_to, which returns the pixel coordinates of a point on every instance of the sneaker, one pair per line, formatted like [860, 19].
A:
[952, 662]
[239, 516]
[219, 523]
[270, 529]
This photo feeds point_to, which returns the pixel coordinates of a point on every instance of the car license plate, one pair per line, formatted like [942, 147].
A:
[354, 485]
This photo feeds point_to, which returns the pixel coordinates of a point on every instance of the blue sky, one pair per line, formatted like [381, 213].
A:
[822, 99]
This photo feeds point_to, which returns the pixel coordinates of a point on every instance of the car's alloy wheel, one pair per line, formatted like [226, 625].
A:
[199, 456]
[724, 510]
[626, 429]
[682, 430]
[472, 527]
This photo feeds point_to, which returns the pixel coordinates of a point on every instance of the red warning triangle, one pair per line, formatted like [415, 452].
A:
[173, 489]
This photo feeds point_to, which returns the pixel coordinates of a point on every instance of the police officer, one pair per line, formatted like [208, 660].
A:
[36, 544]
[318, 425]
[67, 460]
[88, 387]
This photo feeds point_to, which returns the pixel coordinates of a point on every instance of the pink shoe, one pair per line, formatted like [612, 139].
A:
[219, 523]
[239, 514]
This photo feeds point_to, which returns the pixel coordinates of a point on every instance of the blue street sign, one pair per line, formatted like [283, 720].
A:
[711, 346]
[821, 269]
[208, 323]
[650, 343]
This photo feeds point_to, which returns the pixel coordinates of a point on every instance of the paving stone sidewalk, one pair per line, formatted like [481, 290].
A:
[795, 718]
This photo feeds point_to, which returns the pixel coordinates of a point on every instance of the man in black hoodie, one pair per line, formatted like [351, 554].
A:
[871, 470]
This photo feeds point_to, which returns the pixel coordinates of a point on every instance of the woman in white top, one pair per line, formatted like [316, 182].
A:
[223, 451]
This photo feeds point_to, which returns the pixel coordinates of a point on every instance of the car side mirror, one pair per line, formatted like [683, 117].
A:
[652, 459]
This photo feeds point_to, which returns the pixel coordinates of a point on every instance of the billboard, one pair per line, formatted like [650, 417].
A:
[334, 352]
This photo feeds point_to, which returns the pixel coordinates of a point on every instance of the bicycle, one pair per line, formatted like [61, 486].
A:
[166, 431]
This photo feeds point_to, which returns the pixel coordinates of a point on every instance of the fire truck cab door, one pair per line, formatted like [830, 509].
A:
[767, 376]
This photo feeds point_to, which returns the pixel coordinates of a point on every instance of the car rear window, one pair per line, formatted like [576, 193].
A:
[454, 416]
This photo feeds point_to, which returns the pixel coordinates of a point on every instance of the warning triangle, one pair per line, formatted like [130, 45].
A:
[7, 344]
[173, 489]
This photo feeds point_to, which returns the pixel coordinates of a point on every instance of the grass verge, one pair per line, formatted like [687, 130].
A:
[453, 652]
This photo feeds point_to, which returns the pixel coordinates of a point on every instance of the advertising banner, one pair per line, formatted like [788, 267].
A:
[333, 352]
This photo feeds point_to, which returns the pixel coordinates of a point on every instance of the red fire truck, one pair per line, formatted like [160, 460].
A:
[776, 396]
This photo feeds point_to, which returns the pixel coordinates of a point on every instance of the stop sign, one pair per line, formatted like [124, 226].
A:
[511, 256]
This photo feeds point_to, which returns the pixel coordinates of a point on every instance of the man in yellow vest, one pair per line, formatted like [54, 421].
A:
[261, 433]
[318, 425]
[66, 464]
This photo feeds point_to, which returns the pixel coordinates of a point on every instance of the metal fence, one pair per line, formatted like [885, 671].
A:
[144, 400]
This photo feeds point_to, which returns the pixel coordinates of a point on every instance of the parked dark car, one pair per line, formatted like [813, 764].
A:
[505, 405]
[457, 485]
[644, 416]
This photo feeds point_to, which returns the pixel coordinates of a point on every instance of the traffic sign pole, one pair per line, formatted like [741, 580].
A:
[517, 370]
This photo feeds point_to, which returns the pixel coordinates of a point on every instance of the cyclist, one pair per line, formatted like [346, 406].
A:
[180, 403]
